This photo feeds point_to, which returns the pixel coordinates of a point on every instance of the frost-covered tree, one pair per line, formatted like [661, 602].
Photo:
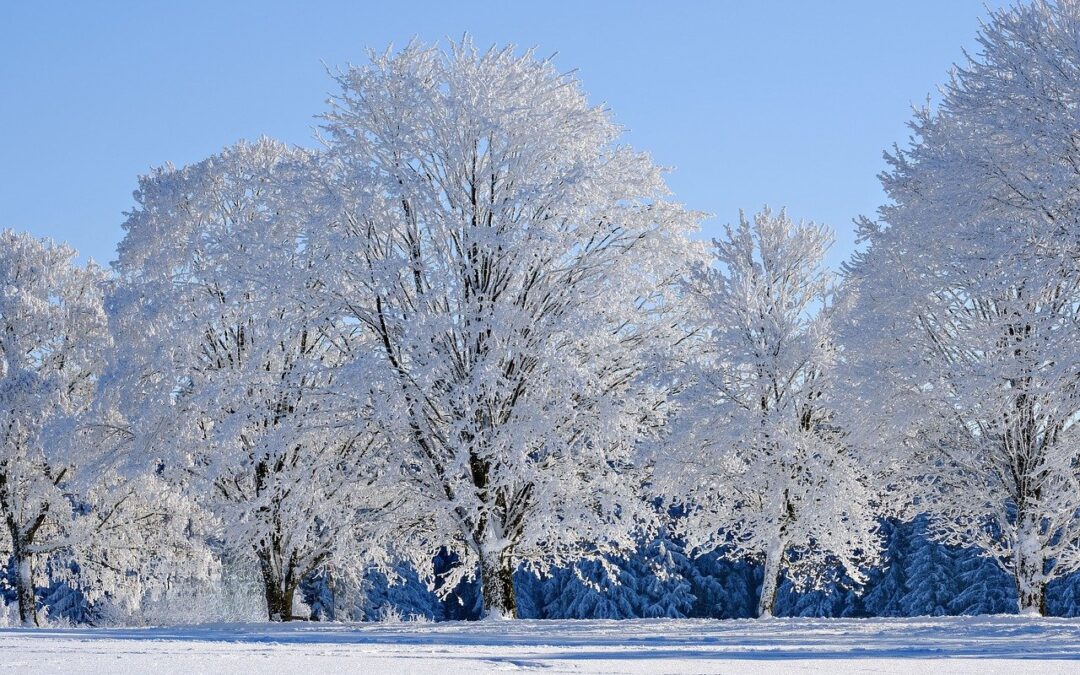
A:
[66, 497]
[770, 475]
[966, 319]
[231, 366]
[659, 572]
[515, 267]
[53, 335]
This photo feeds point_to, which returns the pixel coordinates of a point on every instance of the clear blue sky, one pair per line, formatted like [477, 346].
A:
[786, 102]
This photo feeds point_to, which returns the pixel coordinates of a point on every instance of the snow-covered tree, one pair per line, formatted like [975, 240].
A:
[659, 572]
[231, 366]
[589, 589]
[770, 475]
[930, 575]
[886, 583]
[981, 586]
[723, 587]
[381, 594]
[650, 583]
[1064, 596]
[966, 313]
[837, 598]
[65, 495]
[515, 266]
[53, 334]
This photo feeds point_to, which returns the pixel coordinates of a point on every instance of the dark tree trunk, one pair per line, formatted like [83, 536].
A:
[22, 556]
[1033, 600]
[279, 600]
[279, 586]
[497, 586]
[1029, 566]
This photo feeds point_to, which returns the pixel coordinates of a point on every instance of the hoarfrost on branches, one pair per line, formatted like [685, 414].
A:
[965, 329]
[231, 374]
[758, 454]
[515, 267]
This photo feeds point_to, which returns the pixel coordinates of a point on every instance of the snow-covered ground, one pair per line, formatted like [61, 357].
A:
[832, 646]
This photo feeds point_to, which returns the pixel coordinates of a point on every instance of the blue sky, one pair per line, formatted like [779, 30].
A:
[787, 103]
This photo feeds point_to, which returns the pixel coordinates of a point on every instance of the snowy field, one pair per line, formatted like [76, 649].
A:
[836, 647]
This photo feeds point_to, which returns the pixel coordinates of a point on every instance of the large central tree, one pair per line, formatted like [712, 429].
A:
[514, 266]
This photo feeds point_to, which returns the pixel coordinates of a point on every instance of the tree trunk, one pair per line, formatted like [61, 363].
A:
[279, 587]
[774, 559]
[24, 580]
[1030, 584]
[1029, 566]
[1032, 600]
[279, 600]
[771, 581]
[497, 587]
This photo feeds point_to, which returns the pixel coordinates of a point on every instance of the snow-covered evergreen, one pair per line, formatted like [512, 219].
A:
[724, 588]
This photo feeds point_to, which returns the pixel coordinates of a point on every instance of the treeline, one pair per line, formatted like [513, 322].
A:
[921, 578]
[470, 343]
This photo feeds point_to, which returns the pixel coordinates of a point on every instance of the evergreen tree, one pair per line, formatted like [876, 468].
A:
[464, 602]
[833, 599]
[62, 599]
[1063, 596]
[378, 596]
[887, 584]
[931, 576]
[657, 573]
[530, 594]
[590, 590]
[317, 590]
[723, 588]
[401, 595]
[983, 588]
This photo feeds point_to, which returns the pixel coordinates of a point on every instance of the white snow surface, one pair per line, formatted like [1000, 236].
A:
[1000, 644]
